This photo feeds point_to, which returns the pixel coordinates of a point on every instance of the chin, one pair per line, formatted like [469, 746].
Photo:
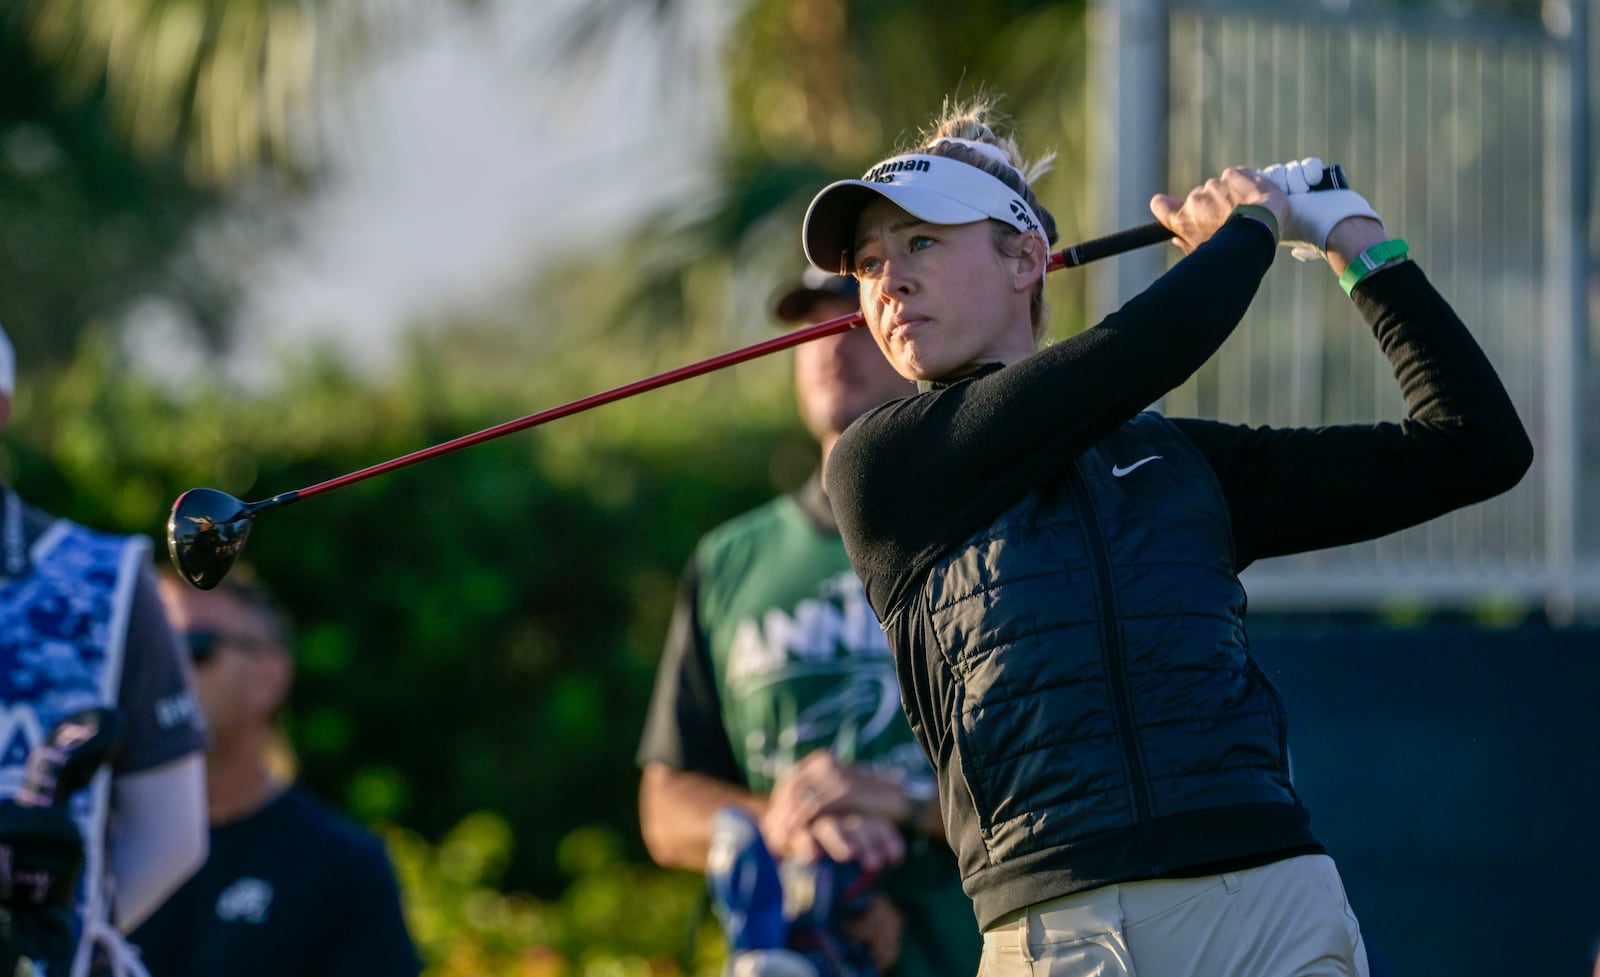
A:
[914, 368]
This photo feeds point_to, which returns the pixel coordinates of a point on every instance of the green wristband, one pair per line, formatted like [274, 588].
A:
[1370, 260]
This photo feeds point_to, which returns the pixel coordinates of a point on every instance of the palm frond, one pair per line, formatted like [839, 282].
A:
[223, 83]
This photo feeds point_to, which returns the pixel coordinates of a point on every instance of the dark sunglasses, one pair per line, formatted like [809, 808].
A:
[203, 645]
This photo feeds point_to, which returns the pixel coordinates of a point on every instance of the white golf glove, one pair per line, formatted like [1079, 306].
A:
[1313, 212]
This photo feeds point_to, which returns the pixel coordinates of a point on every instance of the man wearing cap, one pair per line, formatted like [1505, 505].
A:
[776, 693]
[81, 627]
[291, 887]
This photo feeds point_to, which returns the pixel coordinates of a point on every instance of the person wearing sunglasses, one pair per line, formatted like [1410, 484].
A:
[291, 887]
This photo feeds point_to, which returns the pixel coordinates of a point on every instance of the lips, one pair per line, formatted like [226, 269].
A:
[905, 323]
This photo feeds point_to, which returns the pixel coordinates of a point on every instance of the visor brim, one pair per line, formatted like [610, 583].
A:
[829, 231]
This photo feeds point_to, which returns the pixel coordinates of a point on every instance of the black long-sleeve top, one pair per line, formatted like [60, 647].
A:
[914, 478]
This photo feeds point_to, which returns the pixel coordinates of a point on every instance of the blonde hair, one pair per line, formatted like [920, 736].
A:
[977, 119]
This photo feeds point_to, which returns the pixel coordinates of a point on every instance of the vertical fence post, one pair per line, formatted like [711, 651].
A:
[1566, 184]
[1128, 131]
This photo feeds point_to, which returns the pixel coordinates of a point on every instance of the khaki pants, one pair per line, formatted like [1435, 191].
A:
[1286, 919]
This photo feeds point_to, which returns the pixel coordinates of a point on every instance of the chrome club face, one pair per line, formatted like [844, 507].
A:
[206, 532]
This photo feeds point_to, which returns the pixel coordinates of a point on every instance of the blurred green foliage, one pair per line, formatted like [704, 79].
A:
[477, 635]
[615, 918]
[85, 222]
[474, 633]
[219, 85]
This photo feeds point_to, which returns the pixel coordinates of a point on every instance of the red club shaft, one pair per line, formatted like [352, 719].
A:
[796, 337]
[1078, 254]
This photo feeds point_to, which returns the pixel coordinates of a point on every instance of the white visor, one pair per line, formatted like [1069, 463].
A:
[937, 189]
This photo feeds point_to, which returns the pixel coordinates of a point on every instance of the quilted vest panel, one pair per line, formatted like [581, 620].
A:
[1117, 687]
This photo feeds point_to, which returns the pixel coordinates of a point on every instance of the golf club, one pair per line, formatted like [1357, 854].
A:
[207, 528]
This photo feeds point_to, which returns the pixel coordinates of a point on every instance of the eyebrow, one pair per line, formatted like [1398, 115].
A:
[900, 225]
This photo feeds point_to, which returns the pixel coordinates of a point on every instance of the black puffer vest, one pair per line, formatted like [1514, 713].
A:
[1111, 725]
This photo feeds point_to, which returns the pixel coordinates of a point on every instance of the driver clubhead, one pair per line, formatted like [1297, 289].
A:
[206, 532]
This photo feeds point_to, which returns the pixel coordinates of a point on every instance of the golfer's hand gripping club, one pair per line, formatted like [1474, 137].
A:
[1319, 198]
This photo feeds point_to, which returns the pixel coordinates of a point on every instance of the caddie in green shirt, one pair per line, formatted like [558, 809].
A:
[776, 691]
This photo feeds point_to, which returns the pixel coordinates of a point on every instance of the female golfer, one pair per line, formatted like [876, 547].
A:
[1057, 569]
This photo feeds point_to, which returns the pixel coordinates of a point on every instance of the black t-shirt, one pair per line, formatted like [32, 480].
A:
[291, 889]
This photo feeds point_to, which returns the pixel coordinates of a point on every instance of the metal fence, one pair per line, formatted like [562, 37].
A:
[1471, 138]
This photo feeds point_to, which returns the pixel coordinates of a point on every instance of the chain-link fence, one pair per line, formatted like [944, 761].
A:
[1470, 137]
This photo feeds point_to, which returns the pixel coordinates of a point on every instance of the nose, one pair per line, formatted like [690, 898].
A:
[896, 276]
[893, 284]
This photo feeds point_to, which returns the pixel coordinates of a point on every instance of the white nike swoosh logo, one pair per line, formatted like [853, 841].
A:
[1117, 471]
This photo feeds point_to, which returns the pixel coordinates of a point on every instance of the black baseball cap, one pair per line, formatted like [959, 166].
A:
[796, 303]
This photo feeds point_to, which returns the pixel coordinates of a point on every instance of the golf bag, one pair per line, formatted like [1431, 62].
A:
[783, 920]
[41, 850]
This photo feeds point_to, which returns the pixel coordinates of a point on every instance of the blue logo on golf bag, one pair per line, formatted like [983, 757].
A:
[796, 906]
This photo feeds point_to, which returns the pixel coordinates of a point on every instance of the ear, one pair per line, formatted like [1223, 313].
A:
[1032, 257]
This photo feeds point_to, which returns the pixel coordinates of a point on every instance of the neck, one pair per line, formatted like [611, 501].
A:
[238, 782]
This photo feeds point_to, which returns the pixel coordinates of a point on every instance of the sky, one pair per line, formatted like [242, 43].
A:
[462, 148]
